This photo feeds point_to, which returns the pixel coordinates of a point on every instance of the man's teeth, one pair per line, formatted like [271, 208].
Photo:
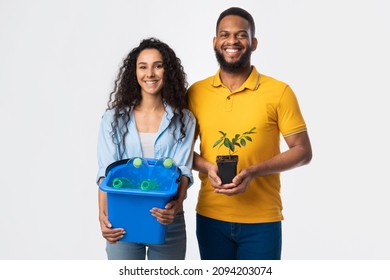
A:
[231, 50]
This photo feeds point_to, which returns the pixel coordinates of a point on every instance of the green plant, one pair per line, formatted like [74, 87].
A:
[239, 140]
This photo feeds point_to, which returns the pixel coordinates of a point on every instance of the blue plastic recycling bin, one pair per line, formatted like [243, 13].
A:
[133, 187]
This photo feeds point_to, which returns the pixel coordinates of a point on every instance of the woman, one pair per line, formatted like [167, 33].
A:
[147, 117]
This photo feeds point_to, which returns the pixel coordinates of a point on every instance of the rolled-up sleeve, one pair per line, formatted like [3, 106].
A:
[106, 149]
[185, 152]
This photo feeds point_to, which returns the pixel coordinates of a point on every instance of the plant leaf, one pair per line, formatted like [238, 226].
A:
[250, 131]
[239, 140]
[217, 143]
[229, 144]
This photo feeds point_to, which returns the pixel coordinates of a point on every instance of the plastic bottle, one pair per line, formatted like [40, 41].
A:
[121, 182]
[149, 185]
[164, 173]
[138, 171]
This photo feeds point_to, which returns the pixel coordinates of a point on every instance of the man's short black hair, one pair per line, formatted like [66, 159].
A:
[236, 11]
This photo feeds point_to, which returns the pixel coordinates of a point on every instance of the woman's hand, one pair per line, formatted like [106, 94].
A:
[167, 215]
[112, 235]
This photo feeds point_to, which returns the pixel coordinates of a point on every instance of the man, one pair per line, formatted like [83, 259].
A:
[242, 219]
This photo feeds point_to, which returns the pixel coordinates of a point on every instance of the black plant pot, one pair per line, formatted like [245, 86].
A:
[227, 167]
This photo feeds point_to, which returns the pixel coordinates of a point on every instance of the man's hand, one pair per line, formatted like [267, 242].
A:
[239, 184]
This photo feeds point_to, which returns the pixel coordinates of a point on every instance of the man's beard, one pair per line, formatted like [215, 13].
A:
[233, 67]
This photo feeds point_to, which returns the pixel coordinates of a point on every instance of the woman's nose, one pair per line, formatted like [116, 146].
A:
[150, 73]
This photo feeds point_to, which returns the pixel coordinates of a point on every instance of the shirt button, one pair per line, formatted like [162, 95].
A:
[228, 98]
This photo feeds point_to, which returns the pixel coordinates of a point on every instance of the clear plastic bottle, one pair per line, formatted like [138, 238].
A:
[121, 182]
[164, 173]
[138, 171]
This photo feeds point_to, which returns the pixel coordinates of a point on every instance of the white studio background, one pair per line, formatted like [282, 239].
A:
[58, 61]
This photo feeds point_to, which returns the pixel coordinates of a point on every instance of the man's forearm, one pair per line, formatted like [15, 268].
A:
[200, 164]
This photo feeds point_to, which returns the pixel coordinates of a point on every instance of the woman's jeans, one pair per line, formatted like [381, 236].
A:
[174, 247]
[220, 240]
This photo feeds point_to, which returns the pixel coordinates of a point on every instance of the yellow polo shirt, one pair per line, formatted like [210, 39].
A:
[262, 102]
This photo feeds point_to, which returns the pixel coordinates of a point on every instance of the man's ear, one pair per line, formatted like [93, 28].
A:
[254, 43]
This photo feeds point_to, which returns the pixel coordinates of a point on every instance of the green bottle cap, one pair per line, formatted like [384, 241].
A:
[137, 162]
[145, 185]
[148, 184]
[168, 163]
[117, 183]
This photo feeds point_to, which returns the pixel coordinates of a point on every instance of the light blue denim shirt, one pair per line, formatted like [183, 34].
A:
[166, 143]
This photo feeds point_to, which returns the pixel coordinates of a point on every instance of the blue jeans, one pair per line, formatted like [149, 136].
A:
[220, 240]
[174, 247]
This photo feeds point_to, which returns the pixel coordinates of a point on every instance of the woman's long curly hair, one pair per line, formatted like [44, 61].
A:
[127, 91]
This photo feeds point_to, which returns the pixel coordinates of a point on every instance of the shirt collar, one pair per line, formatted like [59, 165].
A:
[168, 109]
[252, 83]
